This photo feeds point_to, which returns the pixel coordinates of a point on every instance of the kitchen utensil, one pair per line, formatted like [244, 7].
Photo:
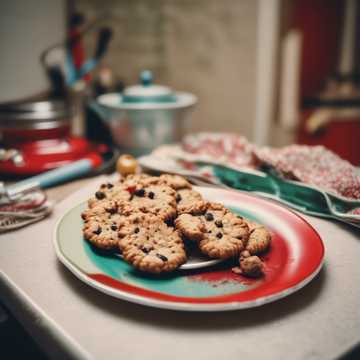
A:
[145, 116]
[51, 178]
[60, 55]
[26, 209]
[105, 35]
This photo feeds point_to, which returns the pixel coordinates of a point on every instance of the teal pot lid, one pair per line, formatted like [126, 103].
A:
[147, 92]
[147, 96]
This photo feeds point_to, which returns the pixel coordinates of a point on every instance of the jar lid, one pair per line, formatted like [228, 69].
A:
[147, 92]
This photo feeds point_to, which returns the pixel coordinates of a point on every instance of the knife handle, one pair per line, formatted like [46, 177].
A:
[52, 177]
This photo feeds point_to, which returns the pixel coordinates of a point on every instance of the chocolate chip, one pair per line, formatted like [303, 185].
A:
[100, 195]
[219, 235]
[114, 227]
[136, 230]
[151, 195]
[162, 257]
[209, 216]
[109, 185]
[111, 210]
[102, 186]
[98, 231]
[140, 192]
[145, 250]
[218, 223]
[169, 222]
[178, 198]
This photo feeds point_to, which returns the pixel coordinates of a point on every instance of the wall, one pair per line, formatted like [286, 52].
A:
[25, 31]
[203, 46]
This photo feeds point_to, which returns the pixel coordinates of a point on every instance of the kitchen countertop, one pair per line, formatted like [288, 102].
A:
[70, 319]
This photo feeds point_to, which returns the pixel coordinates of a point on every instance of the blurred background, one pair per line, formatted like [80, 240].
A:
[276, 71]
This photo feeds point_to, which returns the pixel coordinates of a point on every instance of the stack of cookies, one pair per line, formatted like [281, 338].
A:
[150, 219]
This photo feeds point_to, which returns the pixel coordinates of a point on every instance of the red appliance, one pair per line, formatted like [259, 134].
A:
[35, 137]
[340, 135]
[326, 84]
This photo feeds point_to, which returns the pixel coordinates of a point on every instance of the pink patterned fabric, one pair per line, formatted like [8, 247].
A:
[229, 148]
[314, 165]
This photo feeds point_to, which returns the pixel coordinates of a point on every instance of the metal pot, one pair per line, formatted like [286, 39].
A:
[31, 121]
[35, 137]
[145, 115]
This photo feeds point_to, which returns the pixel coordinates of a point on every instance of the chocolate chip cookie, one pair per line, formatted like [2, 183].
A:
[109, 191]
[155, 199]
[118, 190]
[101, 225]
[149, 245]
[176, 182]
[219, 232]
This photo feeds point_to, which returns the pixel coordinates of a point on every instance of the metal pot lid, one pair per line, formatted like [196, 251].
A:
[114, 102]
[147, 92]
[31, 113]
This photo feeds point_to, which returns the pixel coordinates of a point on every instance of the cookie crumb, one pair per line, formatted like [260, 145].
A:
[252, 266]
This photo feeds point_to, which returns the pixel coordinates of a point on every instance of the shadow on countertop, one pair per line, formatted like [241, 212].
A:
[199, 321]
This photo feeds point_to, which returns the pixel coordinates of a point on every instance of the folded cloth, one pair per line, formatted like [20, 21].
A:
[314, 165]
[229, 148]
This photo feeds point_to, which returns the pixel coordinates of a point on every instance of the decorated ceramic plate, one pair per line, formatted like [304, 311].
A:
[294, 259]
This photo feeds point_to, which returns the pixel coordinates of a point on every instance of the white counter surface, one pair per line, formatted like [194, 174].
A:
[69, 318]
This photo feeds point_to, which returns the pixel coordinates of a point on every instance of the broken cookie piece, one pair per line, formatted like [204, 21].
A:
[259, 238]
[249, 265]
[190, 227]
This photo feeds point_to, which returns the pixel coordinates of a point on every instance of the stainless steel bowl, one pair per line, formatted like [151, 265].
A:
[138, 128]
